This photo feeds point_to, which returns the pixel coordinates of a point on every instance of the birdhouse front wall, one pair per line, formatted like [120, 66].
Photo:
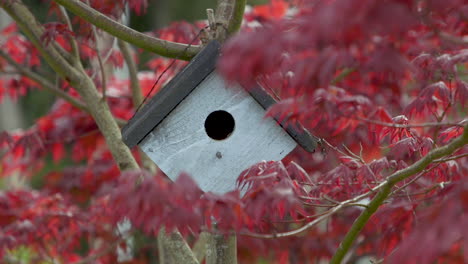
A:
[214, 134]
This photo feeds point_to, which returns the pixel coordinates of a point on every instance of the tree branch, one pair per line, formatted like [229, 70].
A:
[46, 84]
[317, 220]
[137, 96]
[100, 61]
[386, 189]
[161, 47]
[43, 82]
[224, 12]
[393, 179]
[236, 20]
[173, 249]
[74, 45]
[434, 124]
[97, 107]
[78, 79]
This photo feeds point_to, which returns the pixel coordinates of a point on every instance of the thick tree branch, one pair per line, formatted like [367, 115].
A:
[162, 47]
[386, 189]
[78, 78]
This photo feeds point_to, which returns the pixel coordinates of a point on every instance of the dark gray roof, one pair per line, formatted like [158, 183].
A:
[181, 86]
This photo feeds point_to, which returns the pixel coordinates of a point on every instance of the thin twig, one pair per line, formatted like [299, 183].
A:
[452, 158]
[100, 62]
[137, 96]
[74, 45]
[425, 191]
[343, 74]
[417, 177]
[435, 124]
[454, 39]
[43, 82]
[46, 84]
[332, 211]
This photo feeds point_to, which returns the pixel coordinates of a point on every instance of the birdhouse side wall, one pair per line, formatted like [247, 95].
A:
[180, 143]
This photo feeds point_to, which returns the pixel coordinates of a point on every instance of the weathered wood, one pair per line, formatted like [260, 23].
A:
[221, 249]
[173, 249]
[170, 96]
[180, 143]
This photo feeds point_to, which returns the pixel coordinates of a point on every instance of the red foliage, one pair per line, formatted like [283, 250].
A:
[382, 83]
[39, 219]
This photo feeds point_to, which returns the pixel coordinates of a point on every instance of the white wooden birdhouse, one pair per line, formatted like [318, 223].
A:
[213, 131]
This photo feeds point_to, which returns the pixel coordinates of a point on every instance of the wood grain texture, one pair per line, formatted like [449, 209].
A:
[171, 95]
[180, 144]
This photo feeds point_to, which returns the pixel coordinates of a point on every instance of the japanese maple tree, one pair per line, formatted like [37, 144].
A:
[382, 83]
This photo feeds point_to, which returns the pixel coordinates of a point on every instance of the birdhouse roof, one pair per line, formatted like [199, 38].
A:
[167, 99]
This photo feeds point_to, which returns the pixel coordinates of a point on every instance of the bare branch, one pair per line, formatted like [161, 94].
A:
[137, 96]
[435, 124]
[46, 84]
[43, 82]
[317, 220]
[74, 45]
[162, 47]
[78, 79]
[100, 62]
[452, 158]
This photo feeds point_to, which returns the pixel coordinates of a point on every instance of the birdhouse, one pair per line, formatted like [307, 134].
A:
[211, 130]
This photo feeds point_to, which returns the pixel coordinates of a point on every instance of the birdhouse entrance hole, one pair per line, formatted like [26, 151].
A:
[219, 125]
